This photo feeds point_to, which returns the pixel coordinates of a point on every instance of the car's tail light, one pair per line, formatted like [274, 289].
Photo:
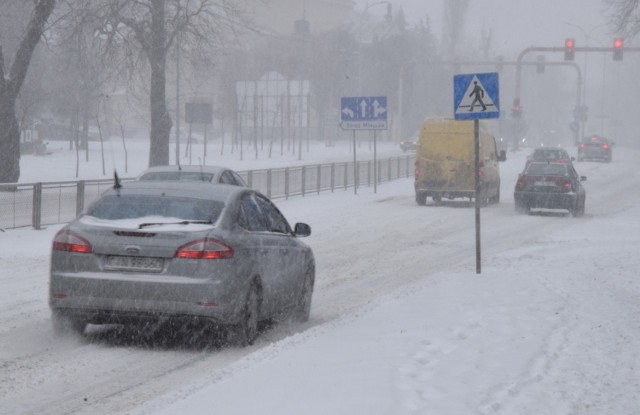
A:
[205, 249]
[564, 184]
[417, 172]
[581, 146]
[521, 183]
[66, 240]
[480, 172]
[605, 146]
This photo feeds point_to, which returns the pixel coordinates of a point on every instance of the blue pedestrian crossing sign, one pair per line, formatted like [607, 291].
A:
[363, 113]
[476, 96]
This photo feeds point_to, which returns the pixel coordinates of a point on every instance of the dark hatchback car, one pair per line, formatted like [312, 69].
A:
[550, 186]
[595, 148]
[153, 252]
[549, 154]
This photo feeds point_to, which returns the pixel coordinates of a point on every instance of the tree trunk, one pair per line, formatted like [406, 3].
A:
[160, 119]
[9, 141]
[10, 87]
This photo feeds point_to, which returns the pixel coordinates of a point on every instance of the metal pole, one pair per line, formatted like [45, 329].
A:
[375, 163]
[178, 99]
[476, 144]
[355, 166]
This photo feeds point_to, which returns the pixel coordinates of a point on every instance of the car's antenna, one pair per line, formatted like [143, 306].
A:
[116, 180]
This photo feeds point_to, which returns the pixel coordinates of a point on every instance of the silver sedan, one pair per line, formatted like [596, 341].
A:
[171, 250]
[212, 174]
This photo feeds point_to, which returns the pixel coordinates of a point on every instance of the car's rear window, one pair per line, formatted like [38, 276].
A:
[547, 169]
[549, 154]
[177, 175]
[114, 207]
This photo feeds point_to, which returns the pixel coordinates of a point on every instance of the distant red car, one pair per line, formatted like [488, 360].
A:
[595, 148]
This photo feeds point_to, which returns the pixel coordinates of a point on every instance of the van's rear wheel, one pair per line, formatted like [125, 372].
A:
[64, 325]
[421, 199]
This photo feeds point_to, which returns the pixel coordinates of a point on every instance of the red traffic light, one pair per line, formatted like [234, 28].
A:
[569, 49]
[618, 43]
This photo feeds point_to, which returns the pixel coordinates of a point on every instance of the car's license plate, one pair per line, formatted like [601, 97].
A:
[543, 183]
[133, 263]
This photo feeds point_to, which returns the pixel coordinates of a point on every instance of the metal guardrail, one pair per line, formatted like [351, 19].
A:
[48, 203]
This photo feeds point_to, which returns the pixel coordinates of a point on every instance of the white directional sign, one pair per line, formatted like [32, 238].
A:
[363, 113]
[476, 96]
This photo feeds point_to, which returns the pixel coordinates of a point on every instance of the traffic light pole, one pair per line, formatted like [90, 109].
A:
[519, 63]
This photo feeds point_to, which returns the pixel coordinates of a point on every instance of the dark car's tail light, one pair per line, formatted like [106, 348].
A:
[205, 249]
[521, 183]
[564, 184]
[66, 240]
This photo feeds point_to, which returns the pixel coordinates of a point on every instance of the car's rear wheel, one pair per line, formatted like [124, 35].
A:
[63, 324]
[579, 209]
[247, 329]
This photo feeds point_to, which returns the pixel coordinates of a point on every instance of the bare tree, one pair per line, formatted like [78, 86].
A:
[10, 84]
[625, 16]
[145, 30]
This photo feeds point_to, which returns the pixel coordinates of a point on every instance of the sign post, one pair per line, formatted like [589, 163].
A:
[364, 113]
[476, 97]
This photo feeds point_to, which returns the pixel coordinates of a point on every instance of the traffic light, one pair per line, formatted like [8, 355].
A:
[516, 111]
[569, 49]
[618, 43]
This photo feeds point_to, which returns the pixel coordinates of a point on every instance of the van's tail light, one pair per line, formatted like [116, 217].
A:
[417, 172]
[581, 146]
[480, 172]
[205, 249]
[605, 146]
[66, 240]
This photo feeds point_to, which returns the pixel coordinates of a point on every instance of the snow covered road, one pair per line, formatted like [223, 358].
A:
[370, 248]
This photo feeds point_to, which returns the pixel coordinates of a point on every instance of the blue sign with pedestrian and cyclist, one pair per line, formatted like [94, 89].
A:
[476, 96]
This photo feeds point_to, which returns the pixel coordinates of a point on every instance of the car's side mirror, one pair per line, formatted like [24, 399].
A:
[302, 229]
[583, 178]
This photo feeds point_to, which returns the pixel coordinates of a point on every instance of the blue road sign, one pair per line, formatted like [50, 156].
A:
[363, 113]
[476, 96]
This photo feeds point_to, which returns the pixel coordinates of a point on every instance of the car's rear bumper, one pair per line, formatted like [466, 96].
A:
[546, 200]
[594, 155]
[111, 298]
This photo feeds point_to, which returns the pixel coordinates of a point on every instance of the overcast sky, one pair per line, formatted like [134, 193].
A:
[516, 24]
